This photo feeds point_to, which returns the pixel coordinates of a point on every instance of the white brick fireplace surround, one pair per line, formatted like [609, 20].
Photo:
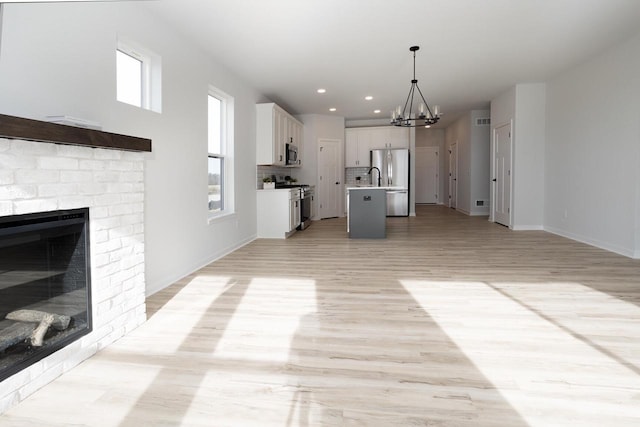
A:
[40, 176]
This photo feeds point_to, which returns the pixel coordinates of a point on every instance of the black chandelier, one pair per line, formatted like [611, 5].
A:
[407, 116]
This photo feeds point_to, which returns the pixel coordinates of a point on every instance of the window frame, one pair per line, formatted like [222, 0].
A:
[226, 154]
[151, 74]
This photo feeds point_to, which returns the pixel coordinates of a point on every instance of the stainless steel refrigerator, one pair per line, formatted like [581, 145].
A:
[393, 165]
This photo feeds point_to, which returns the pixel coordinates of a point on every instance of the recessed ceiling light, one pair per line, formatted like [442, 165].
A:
[332, 109]
[368, 98]
[322, 90]
[376, 111]
[428, 126]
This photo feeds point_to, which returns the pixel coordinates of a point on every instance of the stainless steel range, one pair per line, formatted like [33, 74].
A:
[307, 200]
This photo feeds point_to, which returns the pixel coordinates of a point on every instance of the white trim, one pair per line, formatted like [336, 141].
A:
[527, 228]
[227, 142]
[1, 21]
[152, 288]
[223, 216]
[492, 192]
[593, 242]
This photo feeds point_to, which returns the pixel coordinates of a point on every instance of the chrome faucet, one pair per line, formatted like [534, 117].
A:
[379, 174]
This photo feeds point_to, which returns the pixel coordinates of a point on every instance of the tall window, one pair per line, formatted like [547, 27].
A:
[138, 76]
[220, 153]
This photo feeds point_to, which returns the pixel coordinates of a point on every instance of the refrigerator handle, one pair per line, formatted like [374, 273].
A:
[389, 168]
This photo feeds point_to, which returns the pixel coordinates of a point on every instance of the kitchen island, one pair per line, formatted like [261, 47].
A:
[367, 212]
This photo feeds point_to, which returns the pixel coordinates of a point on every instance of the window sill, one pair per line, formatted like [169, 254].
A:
[221, 217]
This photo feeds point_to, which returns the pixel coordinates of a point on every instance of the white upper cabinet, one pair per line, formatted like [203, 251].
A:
[389, 137]
[360, 141]
[274, 129]
[398, 137]
[357, 147]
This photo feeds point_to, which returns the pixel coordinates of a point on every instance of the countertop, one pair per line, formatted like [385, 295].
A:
[369, 187]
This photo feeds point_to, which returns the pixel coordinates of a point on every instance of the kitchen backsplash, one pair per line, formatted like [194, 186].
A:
[279, 172]
[351, 175]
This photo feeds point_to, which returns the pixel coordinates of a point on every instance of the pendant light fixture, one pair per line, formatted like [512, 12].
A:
[421, 116]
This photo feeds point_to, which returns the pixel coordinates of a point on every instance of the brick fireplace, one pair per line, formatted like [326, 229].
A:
[40, 176]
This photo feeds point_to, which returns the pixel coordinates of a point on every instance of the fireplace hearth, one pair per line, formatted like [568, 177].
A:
[45, 292]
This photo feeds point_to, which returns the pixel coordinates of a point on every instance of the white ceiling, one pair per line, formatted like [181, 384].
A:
[470, 50]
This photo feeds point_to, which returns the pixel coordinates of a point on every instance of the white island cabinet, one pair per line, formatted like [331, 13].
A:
[278, 212]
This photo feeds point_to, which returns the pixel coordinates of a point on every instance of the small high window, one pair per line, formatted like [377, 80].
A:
[129, 78]
[138, 76]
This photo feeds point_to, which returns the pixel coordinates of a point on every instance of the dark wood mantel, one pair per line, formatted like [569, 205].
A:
[37, 130]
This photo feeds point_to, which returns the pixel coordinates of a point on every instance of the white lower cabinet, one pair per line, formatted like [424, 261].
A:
[278, 212]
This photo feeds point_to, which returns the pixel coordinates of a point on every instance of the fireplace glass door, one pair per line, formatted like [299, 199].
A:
[45, 300]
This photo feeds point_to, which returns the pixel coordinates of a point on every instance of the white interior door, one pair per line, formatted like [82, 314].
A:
[502, 175]
[453, 175]
[329, 178]
[427, 166]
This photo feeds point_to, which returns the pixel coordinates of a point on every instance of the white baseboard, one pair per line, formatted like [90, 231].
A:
[593, 242]
[527, 228]
[152, 289]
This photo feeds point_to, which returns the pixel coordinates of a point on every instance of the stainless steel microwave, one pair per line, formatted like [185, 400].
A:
[291, 154]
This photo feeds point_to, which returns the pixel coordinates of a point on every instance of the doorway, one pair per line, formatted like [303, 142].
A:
[453, 175]
[502, 175]
[329, 178]
[427, 173]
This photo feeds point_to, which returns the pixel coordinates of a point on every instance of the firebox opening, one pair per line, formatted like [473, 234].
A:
[45, 292]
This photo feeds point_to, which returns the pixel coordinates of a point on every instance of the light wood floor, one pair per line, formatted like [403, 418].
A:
[451, 321]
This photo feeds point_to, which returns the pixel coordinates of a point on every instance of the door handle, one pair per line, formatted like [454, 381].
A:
[494, 180]
[337, 183]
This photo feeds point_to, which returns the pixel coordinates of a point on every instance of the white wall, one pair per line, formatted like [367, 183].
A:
[480, 153]
[592, 155]
[523, 106]
[318, 126]
[528, 157]
[473, 144]
[458, 133]
[59, 59]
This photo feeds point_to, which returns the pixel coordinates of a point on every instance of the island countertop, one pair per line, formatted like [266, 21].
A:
[373, 187]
